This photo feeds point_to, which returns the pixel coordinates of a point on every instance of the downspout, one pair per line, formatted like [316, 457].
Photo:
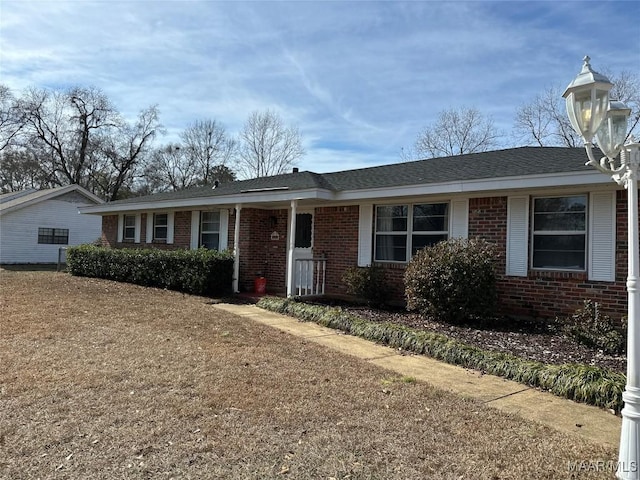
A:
[292, 243]
[236, 250]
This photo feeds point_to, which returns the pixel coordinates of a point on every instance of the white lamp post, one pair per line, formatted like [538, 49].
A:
[591, 113]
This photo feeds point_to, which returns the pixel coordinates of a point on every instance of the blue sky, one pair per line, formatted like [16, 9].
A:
[359, 79]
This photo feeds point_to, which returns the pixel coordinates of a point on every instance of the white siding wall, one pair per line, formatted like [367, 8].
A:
[19, 231]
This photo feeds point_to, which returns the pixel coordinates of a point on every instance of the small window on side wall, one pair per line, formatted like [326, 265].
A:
[560, 233]
[53, 236]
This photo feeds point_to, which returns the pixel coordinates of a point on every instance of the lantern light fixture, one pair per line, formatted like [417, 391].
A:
[591, 113]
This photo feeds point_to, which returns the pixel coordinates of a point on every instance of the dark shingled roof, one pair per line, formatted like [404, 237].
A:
[513, 162]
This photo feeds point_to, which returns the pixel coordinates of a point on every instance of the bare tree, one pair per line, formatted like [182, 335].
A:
[169, 169]
[206, 145]
[201, 159]
[123, 152]
[11, 118]
[64, 129]
[21, 170]
[457, 132]
[266, 146]
[544, 121]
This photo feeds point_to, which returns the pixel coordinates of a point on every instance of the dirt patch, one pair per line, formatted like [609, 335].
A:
[106, 380]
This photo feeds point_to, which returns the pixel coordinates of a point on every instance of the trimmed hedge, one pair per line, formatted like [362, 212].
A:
[199, 272]
[587, 384]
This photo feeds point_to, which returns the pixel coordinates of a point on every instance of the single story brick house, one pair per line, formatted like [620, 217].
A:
[560, 225]
[35, 224]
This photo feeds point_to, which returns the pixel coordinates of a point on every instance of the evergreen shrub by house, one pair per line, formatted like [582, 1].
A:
[592, 328]
[368, 283]
[200, 272]
[582, 383]
[453, 281]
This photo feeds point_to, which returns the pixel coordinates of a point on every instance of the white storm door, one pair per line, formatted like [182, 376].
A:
[303, 252]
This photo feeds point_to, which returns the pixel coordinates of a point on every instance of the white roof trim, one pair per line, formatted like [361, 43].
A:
[565, 179]
[480, 185]
[226, 200]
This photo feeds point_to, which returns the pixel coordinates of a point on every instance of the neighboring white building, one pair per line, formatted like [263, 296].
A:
[34, 224]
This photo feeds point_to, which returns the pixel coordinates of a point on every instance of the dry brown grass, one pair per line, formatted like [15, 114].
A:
[106, 380]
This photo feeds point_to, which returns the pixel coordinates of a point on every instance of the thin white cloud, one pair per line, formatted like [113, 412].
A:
[360, 79]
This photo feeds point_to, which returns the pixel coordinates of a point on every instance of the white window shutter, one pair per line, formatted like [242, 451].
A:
[365, 233]
[602, 236]
[460, 218]
[195, 229]
[223, 242]
[171, 216]
[149, 232]
[517, 236]
[138, 228]
[120, 227]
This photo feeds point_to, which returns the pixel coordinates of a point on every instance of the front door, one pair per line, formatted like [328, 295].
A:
[303, 250]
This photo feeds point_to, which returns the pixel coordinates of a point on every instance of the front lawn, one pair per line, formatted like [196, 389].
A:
[106, 380]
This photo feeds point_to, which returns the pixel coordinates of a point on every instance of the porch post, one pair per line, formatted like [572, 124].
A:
[292, 244]
[236, 250]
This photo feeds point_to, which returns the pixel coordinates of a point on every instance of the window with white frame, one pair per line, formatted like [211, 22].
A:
[402, 230]
[210, 230]
[160, 224]
[129, 227]
[559, 233]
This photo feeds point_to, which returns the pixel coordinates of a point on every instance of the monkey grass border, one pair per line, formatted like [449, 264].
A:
[581, 383]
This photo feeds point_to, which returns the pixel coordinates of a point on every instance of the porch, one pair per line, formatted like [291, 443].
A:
[300, 251]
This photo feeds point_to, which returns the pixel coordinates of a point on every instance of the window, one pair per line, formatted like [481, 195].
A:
[560, 232]
[402, 230]
[160, 222]
[210, 230]
[129, 232]
[53, 236]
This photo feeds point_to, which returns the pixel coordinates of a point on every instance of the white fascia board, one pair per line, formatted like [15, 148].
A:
[223, 200]
[469, 187]
[478, 186]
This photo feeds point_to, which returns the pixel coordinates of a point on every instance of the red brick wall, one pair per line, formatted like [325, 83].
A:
[336, 236]
[109, 235]
[548, 294]
[540, 294]
[181, 236]
[258, 252]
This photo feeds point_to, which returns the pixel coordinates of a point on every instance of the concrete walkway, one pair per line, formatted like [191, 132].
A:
[589, 422]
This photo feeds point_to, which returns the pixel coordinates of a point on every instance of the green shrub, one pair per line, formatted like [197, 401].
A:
[453, 281]
[590, 327]
[200, 272]
[587, 384]
[368, 283]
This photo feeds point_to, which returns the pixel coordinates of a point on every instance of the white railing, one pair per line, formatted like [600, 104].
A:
[310, 276]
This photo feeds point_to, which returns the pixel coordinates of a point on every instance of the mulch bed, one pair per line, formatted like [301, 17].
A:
[531, 340]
